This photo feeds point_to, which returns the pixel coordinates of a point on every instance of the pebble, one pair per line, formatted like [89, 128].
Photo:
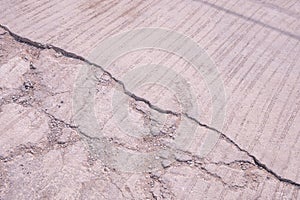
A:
[166, 163]
[32, 66]
[183, 157]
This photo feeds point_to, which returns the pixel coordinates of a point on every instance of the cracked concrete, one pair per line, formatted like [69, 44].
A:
[149, 104]
[58, 135]
[44, 154]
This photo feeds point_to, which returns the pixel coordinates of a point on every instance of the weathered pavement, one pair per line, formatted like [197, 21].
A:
[43, 153]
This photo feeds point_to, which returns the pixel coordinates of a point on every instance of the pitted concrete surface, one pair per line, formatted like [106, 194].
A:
[45, 154]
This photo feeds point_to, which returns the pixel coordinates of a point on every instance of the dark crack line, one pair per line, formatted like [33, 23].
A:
[149, 104]
[256, 161]
[59, 120]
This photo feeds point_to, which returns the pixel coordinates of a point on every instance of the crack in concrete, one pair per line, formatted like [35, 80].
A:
[68, 54]
[59, 120]
[219, 178]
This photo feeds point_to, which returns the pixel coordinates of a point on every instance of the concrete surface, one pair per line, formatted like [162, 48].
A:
[46, 46]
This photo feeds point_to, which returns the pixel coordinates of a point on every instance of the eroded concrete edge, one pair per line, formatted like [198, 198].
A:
[69, 54]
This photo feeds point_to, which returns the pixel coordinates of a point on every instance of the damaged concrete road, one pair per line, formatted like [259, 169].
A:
[79, 124]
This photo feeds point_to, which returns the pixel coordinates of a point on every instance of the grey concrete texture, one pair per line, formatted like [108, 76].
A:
[148, 124]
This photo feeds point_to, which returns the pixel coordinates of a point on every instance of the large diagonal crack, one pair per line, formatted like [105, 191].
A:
[68, 54]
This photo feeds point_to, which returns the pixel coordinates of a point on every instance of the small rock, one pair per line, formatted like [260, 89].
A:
[32, 66]
[25, 58]
[64, 137]
[58, 54]
[27, 85]
[14, 98]
[156, 174]
[183, 157]
[104, 78]
[166, 163]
